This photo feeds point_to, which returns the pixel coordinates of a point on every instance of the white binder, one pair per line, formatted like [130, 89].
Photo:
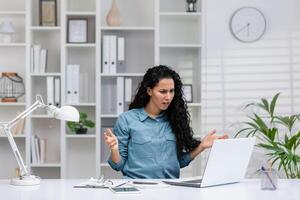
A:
[56, 91]
[69, 89]
[32, 70]
[128, 89]
[75, 84]
[50, 90]
[113, 54]
[121, 54]
[36, 53]
[105, 54]
[120, 95]
[43, 60]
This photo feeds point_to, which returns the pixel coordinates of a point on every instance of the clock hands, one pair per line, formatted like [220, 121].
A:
[244, 27]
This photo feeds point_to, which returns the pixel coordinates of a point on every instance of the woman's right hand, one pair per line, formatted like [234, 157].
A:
[111, 140]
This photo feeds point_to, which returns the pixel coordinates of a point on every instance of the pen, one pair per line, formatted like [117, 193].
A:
[122, 184]
[268, 175]
[144, 182]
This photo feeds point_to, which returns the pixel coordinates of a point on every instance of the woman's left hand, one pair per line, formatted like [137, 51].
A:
[208, 140]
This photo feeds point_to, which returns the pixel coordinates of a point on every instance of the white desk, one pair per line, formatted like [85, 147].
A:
[63, 189]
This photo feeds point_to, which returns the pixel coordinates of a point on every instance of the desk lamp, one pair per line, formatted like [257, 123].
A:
[68, 113]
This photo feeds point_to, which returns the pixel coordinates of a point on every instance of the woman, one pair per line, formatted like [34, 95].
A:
[154, 139]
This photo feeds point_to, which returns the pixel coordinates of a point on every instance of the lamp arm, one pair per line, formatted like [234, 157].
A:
[23, 169]
[24, 114]
[7, 126]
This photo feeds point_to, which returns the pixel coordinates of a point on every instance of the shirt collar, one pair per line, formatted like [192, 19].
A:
[143, 115]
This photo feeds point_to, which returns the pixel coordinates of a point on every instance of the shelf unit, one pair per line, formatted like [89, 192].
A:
[13, 58]
[157, 36]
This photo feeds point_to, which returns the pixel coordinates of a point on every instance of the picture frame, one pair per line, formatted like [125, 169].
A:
[77, 30]
[187, 90]
[48, 12]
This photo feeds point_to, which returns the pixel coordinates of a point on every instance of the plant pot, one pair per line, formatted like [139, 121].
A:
[81, 131]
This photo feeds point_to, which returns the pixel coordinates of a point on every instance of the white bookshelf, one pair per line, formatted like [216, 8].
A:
[12, 104]
[156, 36]
[13, 45]
[128, 28]
[12, 12]
[45, 28]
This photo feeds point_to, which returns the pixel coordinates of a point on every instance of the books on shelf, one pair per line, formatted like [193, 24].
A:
[38, 149]
[113, 54]
[38, 59]
[72, 84]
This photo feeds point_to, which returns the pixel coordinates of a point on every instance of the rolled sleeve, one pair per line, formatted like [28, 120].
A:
[116, 166]
[122, 134]
[185, 160]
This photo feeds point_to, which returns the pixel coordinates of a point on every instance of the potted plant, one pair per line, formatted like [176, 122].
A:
[82, 126]
[276, 134]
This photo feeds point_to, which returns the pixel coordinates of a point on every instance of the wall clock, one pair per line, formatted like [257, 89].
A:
[248, 24]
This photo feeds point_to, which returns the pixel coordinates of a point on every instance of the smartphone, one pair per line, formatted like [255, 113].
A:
[125, 190]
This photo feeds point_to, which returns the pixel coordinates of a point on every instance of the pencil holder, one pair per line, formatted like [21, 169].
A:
[269, 179]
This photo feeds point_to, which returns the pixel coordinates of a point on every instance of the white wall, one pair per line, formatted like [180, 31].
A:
[235, 73]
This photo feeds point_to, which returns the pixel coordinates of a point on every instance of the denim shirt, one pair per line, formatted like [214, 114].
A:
[147, 146]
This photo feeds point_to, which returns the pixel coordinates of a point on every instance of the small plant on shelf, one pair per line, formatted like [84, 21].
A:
[82, 126]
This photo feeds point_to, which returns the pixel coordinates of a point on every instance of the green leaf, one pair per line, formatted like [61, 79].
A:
[265, 105]
[273, 103]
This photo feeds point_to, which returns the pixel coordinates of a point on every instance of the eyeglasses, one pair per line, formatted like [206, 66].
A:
[102, 180]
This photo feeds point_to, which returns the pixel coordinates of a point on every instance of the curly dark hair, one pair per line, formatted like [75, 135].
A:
[177, 114]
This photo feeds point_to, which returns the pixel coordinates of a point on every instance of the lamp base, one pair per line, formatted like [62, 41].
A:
[26, 180]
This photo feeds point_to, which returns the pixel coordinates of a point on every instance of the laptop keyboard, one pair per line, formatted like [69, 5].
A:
[193, 181]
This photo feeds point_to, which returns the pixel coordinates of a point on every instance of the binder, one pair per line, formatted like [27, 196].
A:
[69, 90]
[36, 53]
[43, 60]
[56, 91]
[120, 95]
[121, 54]
[113, 54]
[105, 54]
[128, 89]
[75, 84]
[50, 90]
[84, 87]
[32, 70]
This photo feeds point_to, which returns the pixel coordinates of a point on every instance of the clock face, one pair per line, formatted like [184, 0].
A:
[248, 24]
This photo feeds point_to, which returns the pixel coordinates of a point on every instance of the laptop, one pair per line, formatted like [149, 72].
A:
[227, 163]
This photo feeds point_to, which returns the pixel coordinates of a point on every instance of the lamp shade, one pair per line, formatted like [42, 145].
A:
[67, 113]
[7, 27]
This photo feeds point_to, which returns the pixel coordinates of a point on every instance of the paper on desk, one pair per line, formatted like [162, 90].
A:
[93, 183]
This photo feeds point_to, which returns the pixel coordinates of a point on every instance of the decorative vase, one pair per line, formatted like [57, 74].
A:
[113, 17]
